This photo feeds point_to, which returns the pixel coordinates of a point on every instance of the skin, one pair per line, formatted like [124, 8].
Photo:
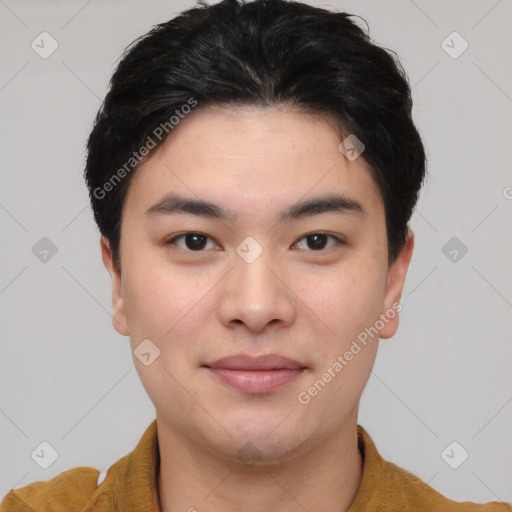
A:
[293, 300]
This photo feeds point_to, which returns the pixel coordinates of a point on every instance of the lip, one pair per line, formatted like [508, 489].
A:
[256, 374]
[265, 362]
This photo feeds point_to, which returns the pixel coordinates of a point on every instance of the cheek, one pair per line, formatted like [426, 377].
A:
[348, 303]
[153, 301]
[159, 307]
[169, 307]
[345, 300]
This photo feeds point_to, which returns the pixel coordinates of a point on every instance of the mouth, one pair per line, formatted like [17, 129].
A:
[256, 374]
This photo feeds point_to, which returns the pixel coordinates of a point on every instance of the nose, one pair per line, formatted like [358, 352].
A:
[257, 294]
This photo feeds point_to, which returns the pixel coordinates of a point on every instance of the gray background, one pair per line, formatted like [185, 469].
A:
[68, 378]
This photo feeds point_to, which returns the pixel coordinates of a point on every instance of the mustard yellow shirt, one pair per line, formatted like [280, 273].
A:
[131, 486]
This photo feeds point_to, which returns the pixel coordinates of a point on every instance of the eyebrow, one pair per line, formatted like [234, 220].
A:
[332, 203]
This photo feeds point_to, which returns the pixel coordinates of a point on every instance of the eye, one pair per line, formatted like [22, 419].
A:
[194, 242]
[318, 240]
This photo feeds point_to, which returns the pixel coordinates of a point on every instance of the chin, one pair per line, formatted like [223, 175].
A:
[261, 443]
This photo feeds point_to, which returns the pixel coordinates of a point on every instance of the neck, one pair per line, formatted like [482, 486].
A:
[325, 477]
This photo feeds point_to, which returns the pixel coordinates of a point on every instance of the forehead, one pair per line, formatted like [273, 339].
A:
[252, 160]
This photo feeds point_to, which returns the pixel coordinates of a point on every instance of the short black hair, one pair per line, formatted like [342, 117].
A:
[263, 53]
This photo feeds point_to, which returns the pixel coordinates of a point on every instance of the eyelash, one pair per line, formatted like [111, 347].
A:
[172, 240]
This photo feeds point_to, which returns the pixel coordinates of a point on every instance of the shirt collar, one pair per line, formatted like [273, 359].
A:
[131, 484]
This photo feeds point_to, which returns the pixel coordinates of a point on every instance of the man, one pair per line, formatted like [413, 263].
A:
[252, 171]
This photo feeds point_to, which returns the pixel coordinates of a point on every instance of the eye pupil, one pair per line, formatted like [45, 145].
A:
[319, 240]
[195, 244]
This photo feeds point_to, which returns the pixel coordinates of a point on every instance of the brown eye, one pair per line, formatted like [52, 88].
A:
[317, 242]
[193, 242]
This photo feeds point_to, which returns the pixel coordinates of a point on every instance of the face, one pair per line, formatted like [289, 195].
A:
[263, 279]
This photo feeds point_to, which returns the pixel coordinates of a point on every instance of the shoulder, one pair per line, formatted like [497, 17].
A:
[386, 487]
[72, 489]
[421, 497]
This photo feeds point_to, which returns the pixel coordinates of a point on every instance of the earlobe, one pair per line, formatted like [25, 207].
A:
[396, 279]
[118, 307]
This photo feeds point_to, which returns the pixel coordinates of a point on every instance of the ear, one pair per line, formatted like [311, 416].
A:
[118, 309]
[396, 279]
